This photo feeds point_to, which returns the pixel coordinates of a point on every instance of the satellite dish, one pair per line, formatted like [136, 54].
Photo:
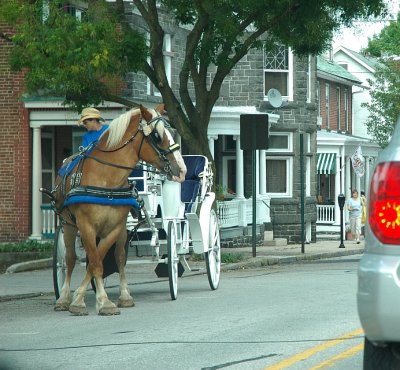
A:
[274, 98]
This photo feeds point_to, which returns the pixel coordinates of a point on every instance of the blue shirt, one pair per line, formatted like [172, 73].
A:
[355, 211]
[91, 136]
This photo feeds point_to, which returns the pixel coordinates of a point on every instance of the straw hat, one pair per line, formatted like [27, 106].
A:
[88, 113]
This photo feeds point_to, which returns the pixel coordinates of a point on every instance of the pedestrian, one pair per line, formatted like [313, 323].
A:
[363, 211]
[354, 207]
[92, 120]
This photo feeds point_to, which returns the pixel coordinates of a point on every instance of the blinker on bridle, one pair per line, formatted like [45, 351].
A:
[149, 130]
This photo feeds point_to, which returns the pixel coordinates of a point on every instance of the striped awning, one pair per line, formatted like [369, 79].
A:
[326, 163]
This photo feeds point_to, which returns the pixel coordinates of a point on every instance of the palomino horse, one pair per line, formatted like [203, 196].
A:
[100, 176]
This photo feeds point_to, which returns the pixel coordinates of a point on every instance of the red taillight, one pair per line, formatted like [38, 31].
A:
[384, 203]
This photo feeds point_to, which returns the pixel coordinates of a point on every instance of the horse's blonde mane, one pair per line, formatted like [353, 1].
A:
[117, 128]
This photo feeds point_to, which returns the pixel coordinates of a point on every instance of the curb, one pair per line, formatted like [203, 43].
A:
[278, 260]
[30, 265]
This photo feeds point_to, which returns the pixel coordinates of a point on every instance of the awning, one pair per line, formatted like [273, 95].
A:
[326, 163]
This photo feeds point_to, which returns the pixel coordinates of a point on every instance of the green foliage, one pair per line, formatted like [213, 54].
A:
[77, 60]
[70, 57]
[28, 246]
[231, 257]
[384, 107]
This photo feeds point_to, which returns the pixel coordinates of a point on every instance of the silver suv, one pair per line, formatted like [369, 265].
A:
[378, 295]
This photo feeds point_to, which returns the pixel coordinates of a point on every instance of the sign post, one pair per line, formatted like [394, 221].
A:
[253, 136]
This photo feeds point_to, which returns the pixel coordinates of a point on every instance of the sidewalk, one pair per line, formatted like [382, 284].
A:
[35, 278]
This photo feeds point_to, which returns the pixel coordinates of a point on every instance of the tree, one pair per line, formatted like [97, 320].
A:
[384, 107]
[220, 34]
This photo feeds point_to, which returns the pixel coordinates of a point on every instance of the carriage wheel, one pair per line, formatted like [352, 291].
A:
[59, 264]
[172, 260]
[213, 255]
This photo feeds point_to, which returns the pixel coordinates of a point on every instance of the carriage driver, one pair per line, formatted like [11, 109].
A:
[91, 120]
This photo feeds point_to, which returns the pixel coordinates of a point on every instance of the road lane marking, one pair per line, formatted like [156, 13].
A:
[312, 351]
[341, 356]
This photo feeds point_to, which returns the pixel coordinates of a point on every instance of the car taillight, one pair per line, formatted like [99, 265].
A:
[384, 203]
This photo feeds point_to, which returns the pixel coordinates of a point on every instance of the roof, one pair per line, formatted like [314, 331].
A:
[369, 61]
[330, 68]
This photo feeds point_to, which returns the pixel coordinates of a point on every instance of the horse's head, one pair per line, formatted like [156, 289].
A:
[163, 152]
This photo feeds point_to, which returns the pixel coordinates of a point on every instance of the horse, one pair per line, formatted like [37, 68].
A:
[100, 174]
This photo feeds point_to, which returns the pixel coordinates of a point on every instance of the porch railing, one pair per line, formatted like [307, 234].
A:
[49, 221]
[325, 213]
[236, 212]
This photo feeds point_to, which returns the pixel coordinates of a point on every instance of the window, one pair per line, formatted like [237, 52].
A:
[327, 106]
[338, 108]
[167, 51]
[279, 165]
[318, 99]
[229, 174]
[47, 162]
[278, 72]
[309, 80]
[279, 177]
[346, 109]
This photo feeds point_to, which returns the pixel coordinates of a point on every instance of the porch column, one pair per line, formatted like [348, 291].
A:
[347, 192]
[263, 174]
[257, 173]
[36, 183]
[211, 144]
[337, 191]
[239, 169]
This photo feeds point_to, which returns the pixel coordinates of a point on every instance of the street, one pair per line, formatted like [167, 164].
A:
[297, 316]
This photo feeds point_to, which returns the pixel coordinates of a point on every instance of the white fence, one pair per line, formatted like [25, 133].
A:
[235, 212]
[325, 214]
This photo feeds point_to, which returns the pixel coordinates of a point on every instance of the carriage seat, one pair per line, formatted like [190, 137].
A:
[138, 176]
[191, 187]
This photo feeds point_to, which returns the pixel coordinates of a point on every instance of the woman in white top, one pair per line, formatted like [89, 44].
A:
[354, 207]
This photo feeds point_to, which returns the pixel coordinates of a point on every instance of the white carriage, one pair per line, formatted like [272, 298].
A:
[173, 221]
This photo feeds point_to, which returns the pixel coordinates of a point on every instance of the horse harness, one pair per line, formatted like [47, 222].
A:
[148, 130]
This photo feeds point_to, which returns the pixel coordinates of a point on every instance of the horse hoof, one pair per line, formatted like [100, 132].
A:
[78, 310]
[108, 311]
[123, 303]
[61, 306]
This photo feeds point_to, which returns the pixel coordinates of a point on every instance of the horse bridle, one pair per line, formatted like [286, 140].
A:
[153, 139]
[148, 130]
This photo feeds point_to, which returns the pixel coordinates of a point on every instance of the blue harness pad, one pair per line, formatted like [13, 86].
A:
[67, 168]
[102, 201]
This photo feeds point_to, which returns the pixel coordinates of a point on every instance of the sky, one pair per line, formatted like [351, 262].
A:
[356, 38]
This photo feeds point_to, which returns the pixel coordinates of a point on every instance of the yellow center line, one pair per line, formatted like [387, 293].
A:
[341, 356]
[312, 351]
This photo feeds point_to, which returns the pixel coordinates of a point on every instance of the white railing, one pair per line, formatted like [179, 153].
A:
[236, 212]
[325, 214]
[239, 212]
[49, 221]
[228, 213]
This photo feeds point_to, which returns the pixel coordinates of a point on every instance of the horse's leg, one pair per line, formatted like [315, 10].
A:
[78, 305]
[64, 301]
[125, 299]
[95, 268]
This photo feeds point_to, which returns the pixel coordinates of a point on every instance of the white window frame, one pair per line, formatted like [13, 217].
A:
[167, 52]
[288, 97]
[338, 108]
[346, 109]
[327, 105]
[289, 176]
[309, 80]
[280, 150]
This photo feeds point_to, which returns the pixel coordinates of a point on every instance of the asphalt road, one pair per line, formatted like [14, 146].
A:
[297, 316]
